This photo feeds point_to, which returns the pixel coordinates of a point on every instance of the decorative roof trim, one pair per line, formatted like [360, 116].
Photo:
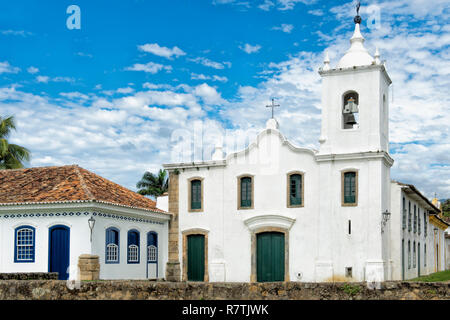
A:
[82, 204]
[356, 156]
[262, 221]
[336, 71]
[216, 163]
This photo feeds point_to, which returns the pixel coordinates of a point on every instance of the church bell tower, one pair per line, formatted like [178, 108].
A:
[355, 101]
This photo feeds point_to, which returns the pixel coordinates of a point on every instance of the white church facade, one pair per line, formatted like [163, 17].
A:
[277, 212]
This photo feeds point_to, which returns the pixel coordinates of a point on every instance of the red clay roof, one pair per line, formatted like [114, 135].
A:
[66, 183]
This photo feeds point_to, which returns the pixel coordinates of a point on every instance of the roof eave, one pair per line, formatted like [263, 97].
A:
[84, 204]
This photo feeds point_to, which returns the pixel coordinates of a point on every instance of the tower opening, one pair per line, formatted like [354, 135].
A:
[350, 110]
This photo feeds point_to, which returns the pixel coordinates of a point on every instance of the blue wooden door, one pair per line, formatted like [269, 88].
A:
[59, 244]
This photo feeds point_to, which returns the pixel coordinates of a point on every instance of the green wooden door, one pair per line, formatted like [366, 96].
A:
[196, 257]
[270, 256]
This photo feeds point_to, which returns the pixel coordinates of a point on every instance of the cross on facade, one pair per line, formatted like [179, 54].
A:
[273, 105]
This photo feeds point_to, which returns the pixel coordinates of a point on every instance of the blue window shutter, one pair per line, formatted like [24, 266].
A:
[133, 240]
[152, 239]
[112, 237]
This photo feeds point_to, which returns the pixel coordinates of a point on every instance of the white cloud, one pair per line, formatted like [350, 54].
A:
[290, 4]
[212, 64]
[43, 79]
[195, 76]
[74, 95]
[83, 54]
[149, 67]
[125, 90]
[5, 67]
[316, 12]
[287, 28]
[248, 48]
[208, 94]
[46, 79]
[16, 33]
[165, 52]
[32, 70]
[266, 5]
[219, 78]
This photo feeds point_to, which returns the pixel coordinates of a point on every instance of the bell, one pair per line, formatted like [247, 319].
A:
[350, 119]
[351, 106]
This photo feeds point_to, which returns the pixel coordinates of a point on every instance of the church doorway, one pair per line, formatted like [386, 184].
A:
[59, 244]
[195, 257]
[270, 259]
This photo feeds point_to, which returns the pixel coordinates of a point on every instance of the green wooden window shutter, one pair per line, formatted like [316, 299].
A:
[196, 194]
[295, 194]
[404, 214]
[350, 187]
[409, 216]
[246, 192]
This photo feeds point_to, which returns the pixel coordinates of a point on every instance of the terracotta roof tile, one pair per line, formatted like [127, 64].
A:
[66, 183]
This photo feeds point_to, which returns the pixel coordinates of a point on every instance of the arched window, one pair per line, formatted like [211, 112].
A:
[24, 247]
[112, 245]
[350, 110]
[195, 195]
[133, 246]
[349, 188]
[245, 193]
[152, 247]
[295, 190]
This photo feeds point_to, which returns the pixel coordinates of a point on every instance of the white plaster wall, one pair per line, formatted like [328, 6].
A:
[320, 232]
[79, 240]
[395, 223]
[80, 244]
[372, 134]
[447, 251]
[123, 269]
[364, 243]
[398, 233]
[162, 203]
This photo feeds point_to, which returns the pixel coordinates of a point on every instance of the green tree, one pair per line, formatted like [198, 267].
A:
[153, 184]
[11, 155]
[446, 208]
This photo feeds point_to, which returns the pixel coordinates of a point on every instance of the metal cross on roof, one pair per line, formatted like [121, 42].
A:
[273, 105]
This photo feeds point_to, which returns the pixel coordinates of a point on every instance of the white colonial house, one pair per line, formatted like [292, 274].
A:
[278, 212]
[50, 216]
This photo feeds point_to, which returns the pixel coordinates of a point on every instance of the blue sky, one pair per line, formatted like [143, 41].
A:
[110, 96]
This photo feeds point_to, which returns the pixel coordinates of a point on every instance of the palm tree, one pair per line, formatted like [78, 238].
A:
[153, 184]
[11, 155]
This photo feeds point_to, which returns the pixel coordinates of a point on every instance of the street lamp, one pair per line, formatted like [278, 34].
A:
[386, 216]
[91, 223]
